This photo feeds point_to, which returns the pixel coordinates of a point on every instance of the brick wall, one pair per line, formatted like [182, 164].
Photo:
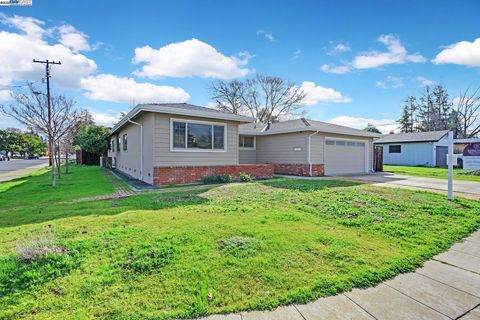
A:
[192, 174]
[298, 169]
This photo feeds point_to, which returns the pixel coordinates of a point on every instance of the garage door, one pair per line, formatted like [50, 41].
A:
[344, 156]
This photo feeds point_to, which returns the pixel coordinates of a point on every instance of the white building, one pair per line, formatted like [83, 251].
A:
[415, 149]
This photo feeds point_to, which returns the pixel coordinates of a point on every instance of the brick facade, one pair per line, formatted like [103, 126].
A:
[192, 174]
[298, 169]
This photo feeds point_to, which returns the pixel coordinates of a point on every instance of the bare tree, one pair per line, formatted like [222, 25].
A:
[228, 96]
[265, 98]
[467, 114]
[31, 109]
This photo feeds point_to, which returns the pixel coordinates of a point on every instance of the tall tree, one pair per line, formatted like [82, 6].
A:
[407, 120]
[265, 98]
[228, 96]
[371, 128]
[467, 114]
[94, 139]
[30, 108]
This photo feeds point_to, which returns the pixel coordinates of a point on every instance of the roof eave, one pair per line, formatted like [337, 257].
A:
[171, 110]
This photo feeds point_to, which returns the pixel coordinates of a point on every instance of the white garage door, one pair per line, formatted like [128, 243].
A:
[344, 156]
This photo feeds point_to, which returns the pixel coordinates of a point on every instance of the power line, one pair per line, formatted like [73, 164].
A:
[51, 143]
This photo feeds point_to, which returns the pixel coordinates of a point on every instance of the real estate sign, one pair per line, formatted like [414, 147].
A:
[471, 156]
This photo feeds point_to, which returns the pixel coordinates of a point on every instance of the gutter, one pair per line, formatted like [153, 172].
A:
[141, 146]
[310, 152]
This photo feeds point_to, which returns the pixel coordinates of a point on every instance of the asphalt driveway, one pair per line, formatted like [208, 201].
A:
[16, 168]
[467, 189]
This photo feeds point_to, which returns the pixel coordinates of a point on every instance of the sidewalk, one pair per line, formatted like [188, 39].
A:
[446, 287]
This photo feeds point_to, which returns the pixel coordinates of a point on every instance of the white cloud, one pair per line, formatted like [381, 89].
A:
[31, 27]
[424, 81]
[318, 94]
[105, 119]
[336, 49]
[335, 69]
[73, 39]
[18, 49]
[390, 82]
[267, 35]
[108, 87]
[384, 125]
[187, 59]
[396, 54]
[5, 95]
[464, 53]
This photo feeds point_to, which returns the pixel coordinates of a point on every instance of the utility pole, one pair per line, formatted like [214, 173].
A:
[51, 143]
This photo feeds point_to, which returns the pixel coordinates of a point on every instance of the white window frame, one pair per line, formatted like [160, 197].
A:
[186, 149]
[254, 142]
[367, 148]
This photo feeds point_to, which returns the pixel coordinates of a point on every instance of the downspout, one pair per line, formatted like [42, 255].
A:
[141, 146]
[310, 153]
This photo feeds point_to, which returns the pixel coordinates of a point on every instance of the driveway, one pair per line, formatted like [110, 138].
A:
[16, 168]
[467, 189]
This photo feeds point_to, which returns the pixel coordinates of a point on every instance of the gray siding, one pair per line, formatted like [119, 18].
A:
[246, 156]
[279, 148]
[413, 154]
[128, 161]
[164, 157]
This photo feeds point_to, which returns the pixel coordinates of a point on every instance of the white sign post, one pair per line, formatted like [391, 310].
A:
[450, 165]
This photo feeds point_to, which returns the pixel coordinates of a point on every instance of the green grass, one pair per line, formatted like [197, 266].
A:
[174, 254]
[440, 173]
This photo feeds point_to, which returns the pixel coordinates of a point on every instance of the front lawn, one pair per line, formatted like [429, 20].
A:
[440, 173]
[172, 254]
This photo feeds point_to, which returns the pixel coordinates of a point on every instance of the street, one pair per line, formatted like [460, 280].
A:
[16, 168]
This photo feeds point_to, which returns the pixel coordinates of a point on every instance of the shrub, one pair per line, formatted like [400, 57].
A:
[239, 246]
[220, 178]
[245, 177]
[38, 246]
[148, 257]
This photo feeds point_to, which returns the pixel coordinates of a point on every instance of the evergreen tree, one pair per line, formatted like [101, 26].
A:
[407, 121]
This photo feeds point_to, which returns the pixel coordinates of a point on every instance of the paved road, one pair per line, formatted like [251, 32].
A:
[446, 287]
[16, 168]
[467, 189]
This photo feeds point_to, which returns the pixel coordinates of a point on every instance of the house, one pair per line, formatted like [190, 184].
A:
[415, 149]
[307, 147]
[179, 143]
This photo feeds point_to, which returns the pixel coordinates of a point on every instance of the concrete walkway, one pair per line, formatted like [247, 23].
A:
[446, 287]
[461, 188]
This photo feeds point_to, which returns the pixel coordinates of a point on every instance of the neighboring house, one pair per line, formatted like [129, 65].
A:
[307, 147]
[179, 143]
[415, 149]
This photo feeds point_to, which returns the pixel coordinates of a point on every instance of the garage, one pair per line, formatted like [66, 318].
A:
[345, 156]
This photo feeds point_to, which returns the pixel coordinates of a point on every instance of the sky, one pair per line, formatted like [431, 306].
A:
[357, 61]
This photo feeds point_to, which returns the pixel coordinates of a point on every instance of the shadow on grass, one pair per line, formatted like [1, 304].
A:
[31, 199]
[305, 185]
[148, 201]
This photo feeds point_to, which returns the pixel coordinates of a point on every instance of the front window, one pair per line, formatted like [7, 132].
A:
[395, 149]
[125, 141]
[246, 142]
[198, 136]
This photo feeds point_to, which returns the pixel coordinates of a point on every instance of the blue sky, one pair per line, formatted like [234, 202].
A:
[357, 60]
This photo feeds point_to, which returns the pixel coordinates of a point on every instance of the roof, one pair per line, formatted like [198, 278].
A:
[302, 124]
[429, 136]
[183, 109]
